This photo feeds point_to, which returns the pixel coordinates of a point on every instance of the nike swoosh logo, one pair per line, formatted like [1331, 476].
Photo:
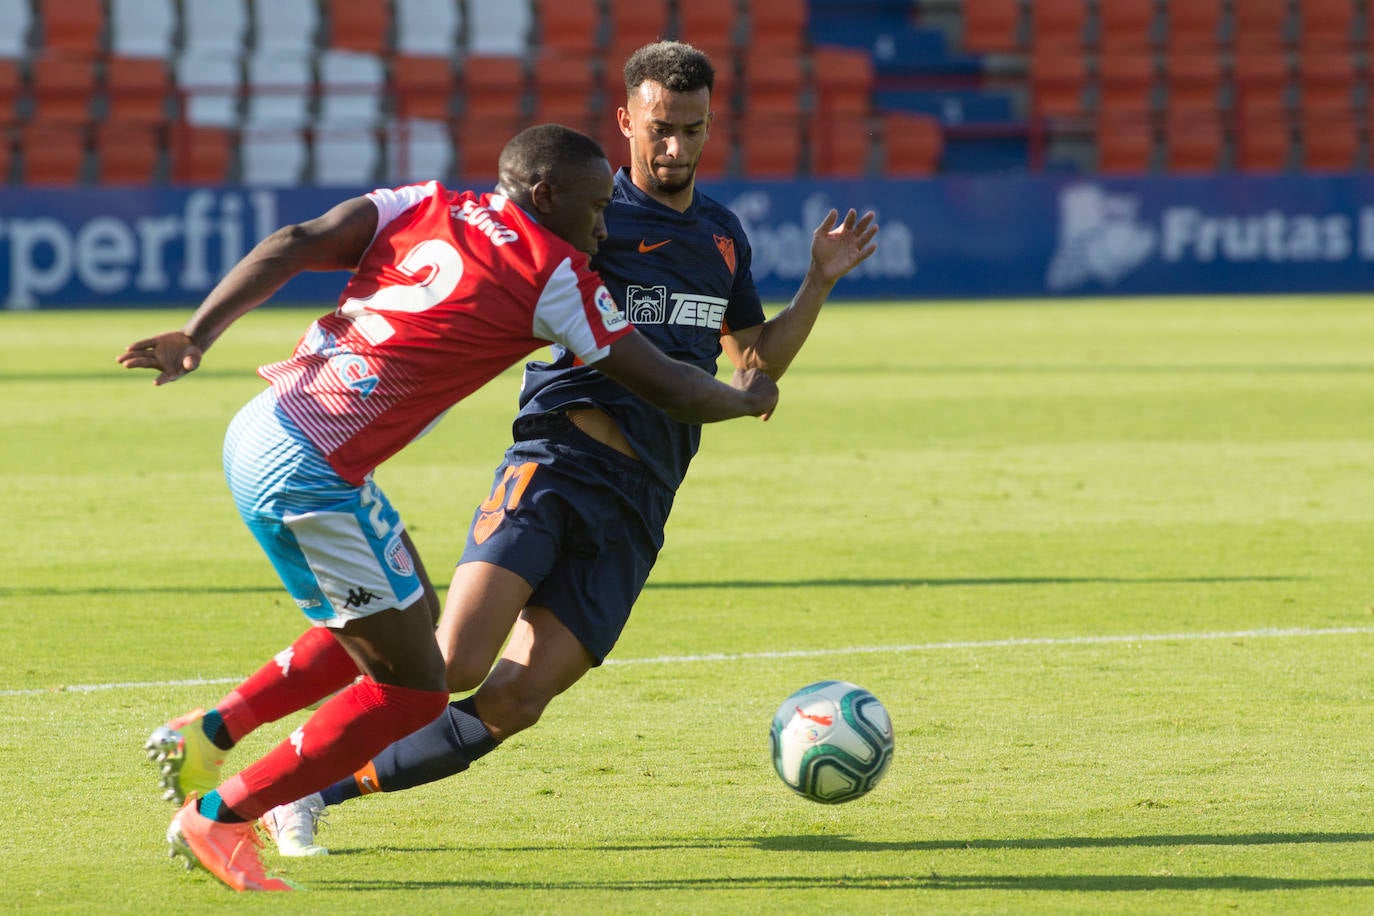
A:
[645, 248]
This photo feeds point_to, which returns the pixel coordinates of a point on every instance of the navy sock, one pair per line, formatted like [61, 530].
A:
[213, 725]
[442, 748]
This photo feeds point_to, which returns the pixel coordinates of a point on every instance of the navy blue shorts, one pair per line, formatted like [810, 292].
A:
[582, 523]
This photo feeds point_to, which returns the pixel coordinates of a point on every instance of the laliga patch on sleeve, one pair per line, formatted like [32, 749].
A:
[611, 316]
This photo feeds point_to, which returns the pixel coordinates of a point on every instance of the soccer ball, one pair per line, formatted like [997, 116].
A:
[832, 741]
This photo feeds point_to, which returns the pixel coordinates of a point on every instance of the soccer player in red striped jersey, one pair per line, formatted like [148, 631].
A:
[448, 289]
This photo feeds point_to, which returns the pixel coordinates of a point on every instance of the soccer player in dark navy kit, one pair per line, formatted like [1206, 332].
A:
[558, 553]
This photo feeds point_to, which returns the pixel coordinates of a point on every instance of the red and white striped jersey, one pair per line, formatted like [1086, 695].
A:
[454, 288]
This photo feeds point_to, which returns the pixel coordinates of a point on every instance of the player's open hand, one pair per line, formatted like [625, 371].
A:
[838, 247]
[173, 353]
[761, 387]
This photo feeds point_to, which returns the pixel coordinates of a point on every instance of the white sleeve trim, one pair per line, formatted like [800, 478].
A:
[560, 316]
[392, 202]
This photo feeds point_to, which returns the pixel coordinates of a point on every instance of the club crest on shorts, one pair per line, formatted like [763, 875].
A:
[398, 559]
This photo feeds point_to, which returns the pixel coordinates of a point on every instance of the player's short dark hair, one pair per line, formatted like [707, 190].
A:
[542, 152]
[674, 65]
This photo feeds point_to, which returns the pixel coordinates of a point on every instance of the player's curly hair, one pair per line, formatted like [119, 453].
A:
[542, 152]
[675, 65]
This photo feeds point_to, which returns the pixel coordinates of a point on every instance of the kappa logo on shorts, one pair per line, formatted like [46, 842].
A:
[360, 597]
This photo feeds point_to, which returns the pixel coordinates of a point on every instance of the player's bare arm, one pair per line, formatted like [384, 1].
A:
[837, 247]
[333, 241]
[683, 391]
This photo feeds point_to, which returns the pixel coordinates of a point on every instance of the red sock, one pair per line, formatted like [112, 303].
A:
[310, 669]
[343, 735]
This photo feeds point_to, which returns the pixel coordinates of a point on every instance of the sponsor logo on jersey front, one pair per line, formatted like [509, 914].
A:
[655, 305]
[612, 318]
[353, 371]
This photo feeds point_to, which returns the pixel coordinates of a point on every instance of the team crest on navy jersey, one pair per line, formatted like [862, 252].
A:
[726, 246]
[647, 304]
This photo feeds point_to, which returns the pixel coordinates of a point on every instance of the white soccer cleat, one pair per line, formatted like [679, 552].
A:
[292, 826]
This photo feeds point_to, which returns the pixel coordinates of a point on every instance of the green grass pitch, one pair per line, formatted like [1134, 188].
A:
[1107, 563]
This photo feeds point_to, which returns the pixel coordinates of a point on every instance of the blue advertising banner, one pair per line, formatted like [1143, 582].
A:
[960, 237]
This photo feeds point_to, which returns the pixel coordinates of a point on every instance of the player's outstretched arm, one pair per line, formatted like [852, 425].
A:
[683, 391]
[837, 247]
[334, 241]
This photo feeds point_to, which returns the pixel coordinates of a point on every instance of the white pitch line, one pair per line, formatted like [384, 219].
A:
[1265, 633]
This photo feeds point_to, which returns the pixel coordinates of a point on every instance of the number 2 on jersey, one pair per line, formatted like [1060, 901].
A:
[434, 265]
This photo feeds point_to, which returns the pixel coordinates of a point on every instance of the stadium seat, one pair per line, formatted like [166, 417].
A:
[1126, 83]
[493, 86]
[217, 27]
[499, 27]
[1326, 77]
[428, 28]
[912, 145]
[1260, 76]
[1126, 23]
[1193, 80]
[127, 153]
[636, 22]
[11, 90]
[201, 155]
[7, 158]
[137, 89]
[358, 25]
[771, 147]
[1193, 25]
[286, 25]
[563, 89]
[62, 87]
[992, 26]
[480, 139]
[418, 150]
[1329, 139]
[351, 87]
[53, 154]
[1326, 23]
[1259, 24]
[72, 26]
[279, 89]
[779, 25]
[345, 157]
[843, 79]
[142, 28]
[1125, 144]
[1058, 81]
[423, 88]
[16, 24]
[1264, 140]
[842, 144]
[568, 26]
[716, 157]
[772, 83]
[712, 25]
[273, 157]
[1193, 144]
[1058, 23]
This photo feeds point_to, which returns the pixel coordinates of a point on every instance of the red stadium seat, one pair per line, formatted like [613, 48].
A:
[1193, 144]
[777, 24]
[1058, 23]
[636, 22]
[1330, 139]
[568, 26]
[843, 79]
[1260, 76]
[54, 153]
[1264, 140]
[842, 143]
[479, 140]
[72, 26]
[773, 82]
[912, 145]
[62, 87]
[1326, 23]
[1193, 24]
[201, 155]
[709, 25]
[1194, 80]
[1259, 23]
[137, 89]
[127, 153]
[716, 157]
[1126, 83]
[992, 26]
[771, 147]
[358, 25]
[1125, 144]
[1126, 24]
[1058, 80]
[493, 85]
[1327, 77]
[423, 87]
[563, 89]
[11, 90]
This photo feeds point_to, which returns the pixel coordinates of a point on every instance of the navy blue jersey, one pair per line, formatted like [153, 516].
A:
[682, 278]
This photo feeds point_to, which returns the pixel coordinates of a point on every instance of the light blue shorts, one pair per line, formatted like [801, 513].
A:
[337, 547]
